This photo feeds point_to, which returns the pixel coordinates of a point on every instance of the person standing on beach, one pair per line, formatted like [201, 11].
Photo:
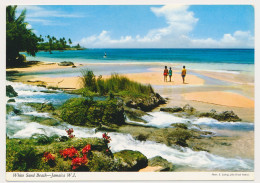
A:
[165, 74]
[170, 74]
[183, 74]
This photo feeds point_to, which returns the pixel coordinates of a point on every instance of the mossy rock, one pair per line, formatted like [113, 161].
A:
[171, 109]
[131, 160]
[159, 161]
[180, 125]
[178, 136]
[222, 116]
[135, 114]
[10, 108]
[66, 63]
[10, 92]
[11, 100]
[42, 107]
[86, 112]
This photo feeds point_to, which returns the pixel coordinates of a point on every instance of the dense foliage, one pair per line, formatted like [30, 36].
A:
[18, 37]
[87, 112]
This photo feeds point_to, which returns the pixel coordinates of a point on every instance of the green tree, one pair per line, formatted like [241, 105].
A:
[18, 37]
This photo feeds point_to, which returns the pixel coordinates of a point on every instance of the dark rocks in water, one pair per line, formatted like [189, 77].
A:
[171, 109]
[130, 160]
[66, 63]
[159, 161]
[189, 109]
[10, 92]
[222, 116]
[135, 114]
[42, 107]
[180, 125]
[87, 112]
[74, 66]
[145, 104]
[10, 108]
[178, 136]
[10, 100]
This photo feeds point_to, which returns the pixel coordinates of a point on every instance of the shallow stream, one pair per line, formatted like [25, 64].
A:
[20, 126]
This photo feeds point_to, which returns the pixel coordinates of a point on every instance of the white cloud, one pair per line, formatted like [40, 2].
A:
[180, 22]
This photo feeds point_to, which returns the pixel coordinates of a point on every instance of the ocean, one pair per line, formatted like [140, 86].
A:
[222, 60]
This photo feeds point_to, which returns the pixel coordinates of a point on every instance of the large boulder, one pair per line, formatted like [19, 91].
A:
[86, 112]
[130, 160]
[66, 63]
[146, 103]
[10, 92]
[163, 163]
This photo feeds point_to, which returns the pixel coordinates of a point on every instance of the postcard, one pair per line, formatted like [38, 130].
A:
[129, 92]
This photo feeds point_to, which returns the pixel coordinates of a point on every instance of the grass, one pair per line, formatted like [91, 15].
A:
[119, 85]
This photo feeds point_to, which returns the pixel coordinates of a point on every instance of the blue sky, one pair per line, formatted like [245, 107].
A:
[201, 26]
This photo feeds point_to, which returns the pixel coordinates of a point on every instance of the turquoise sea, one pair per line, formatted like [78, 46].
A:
[221, 60]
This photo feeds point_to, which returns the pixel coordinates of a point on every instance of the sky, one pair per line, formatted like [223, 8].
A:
[143, 26]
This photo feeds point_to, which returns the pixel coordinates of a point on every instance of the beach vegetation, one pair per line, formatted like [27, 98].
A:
[75, 154]
[116, 84]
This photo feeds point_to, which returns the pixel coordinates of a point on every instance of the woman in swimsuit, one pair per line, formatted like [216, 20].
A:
[165, 74]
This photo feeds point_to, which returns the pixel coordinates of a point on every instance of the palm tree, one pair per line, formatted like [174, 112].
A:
[18, 37]
[70, 42]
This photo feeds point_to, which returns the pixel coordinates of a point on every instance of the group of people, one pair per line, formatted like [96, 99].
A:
[167, 72]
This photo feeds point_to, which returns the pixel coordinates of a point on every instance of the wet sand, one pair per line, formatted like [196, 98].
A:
[238, 96]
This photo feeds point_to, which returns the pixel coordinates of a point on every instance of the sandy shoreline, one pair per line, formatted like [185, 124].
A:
[188, 93]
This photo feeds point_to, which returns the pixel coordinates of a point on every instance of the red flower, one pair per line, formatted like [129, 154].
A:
[69, 132]
[86, 149]
[78, 162]
[69, 152]
[106, 138]
[48, 157]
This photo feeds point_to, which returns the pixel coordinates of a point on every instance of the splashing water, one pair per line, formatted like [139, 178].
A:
[17, 127]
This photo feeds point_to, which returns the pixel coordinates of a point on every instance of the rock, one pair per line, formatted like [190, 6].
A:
[130, 160]
[189, 109]
[73, 66]
[87, 112]
[42, 107]
[66, 63]
[180, 125]
[228, 116]
[223, 116]
[171, 109]
[145, 104]
[10, 91]
[135, 114]
[159, 161]
[10, 100]
[10, 108]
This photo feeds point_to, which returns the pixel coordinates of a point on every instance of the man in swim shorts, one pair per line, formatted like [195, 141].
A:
[165, 74]
[183, 74]
[170, 74]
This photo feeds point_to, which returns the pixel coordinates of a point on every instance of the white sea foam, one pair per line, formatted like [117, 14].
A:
[17, 128]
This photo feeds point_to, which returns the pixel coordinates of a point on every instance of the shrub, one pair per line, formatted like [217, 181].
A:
[89, 80]
[21, 157]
